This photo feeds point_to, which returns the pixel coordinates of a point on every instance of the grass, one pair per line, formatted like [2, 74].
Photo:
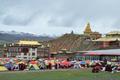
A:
[59, 75]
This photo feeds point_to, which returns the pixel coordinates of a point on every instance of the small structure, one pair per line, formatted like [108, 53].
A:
[110, 54]
[62, 54]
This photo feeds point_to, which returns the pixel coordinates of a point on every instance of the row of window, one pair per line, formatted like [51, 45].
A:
[96, 57]
[33, 54]
[16, 49]
[26, 57]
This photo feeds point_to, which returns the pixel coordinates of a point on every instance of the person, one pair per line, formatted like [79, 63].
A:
[116, 68]
[96, 68]
[21, 65]
[77, 65]
[16, 67]
[53, 63]
[103, 64]
[56, 64]
[88, 63]
[108, 67]
[49, 65]
[42, 64]
[46, 64]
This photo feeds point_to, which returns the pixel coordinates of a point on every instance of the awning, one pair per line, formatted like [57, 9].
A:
[115, 52]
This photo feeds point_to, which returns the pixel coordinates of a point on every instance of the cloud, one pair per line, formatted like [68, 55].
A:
[44, 16]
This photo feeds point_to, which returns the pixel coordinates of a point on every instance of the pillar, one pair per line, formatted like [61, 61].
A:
[105, 44]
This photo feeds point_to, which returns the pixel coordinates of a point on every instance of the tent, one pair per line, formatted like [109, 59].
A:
[3, 68]
[9, 66]
[34, 67]
[33, 62]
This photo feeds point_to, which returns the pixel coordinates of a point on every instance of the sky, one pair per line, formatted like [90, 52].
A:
[57, 17]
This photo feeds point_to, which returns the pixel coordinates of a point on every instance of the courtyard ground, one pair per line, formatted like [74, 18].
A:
[80, 74]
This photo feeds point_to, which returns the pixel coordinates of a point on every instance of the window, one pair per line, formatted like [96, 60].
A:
[25, 53]
[25, 50]
[33, 49]
[25, 57]
[33, 54]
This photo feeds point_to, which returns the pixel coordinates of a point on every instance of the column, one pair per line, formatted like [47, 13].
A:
[105, 44]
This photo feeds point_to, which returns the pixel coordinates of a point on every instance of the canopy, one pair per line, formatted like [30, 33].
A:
[115, 52]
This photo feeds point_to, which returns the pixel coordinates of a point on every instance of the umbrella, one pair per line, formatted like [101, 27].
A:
[82, 62]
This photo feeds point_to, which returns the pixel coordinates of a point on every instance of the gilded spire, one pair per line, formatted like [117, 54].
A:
[88, 29]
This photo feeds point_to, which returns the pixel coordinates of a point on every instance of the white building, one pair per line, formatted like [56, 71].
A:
[23, 49]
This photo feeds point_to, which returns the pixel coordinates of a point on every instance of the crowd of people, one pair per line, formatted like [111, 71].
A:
[51, 64]
[106, 66]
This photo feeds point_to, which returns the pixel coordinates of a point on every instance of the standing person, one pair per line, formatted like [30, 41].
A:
[105, 61]
[53, 64]
[77, 65]
[46, 64]
[108, 66]
[88, 63]
[103, 64]
[56, 64]
[49, 65]
[42, 64]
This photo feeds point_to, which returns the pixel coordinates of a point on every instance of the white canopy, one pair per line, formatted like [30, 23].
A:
[104, 52]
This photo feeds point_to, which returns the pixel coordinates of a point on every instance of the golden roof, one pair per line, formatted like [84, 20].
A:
[25, 42]
[108, 39]
[114, 32]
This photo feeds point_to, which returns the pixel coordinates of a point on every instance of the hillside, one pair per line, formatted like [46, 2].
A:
[71, 42]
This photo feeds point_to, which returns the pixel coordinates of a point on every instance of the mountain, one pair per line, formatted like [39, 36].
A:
[10, 36]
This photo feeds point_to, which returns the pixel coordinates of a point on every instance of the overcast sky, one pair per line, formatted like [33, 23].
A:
[56, 17]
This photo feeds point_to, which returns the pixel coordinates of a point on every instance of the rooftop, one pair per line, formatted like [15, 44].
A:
[111, 36]
[26, 42]
[114, 32]
[108, 39]
[104, 52]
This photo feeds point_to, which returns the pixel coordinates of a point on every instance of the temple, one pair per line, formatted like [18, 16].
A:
[110, 40]
[68, 45]
[26, 50]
